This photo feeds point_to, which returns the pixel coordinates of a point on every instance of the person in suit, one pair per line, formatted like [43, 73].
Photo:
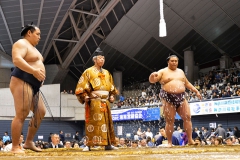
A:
[61, 135]
[49, 138]
[220, 132]
[77, 136]
[55, 141]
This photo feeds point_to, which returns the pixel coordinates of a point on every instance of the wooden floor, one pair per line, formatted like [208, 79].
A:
[179, 153]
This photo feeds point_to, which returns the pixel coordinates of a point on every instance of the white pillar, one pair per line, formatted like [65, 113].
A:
[225, 62]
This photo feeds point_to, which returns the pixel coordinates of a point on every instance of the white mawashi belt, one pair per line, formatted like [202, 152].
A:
[99, 95]
[104, 93]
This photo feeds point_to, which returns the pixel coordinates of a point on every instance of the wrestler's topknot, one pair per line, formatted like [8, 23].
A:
[170, 56]
[28, 27]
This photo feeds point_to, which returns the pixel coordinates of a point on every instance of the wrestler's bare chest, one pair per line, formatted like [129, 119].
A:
[33, 55]
[172, 76]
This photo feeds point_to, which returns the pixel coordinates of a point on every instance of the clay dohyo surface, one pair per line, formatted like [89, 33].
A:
[179, 153]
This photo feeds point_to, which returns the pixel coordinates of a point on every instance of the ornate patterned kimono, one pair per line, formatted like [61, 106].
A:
[98, 119]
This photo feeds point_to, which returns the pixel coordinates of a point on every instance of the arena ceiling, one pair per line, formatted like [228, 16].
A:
[126, 30]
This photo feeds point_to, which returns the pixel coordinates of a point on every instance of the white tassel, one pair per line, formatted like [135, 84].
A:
[162, 24]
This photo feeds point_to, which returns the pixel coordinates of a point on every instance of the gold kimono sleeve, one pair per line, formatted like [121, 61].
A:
[83, 87]
[113, 90]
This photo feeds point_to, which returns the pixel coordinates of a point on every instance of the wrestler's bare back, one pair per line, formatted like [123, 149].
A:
[172, 81]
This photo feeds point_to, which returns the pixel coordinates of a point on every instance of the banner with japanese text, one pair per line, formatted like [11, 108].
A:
[129, 114]
[215, 107]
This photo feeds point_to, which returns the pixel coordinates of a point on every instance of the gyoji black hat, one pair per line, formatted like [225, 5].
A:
[98, 52]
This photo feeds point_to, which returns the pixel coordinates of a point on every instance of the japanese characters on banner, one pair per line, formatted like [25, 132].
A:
[215, 107]
[220, 106]
[145, 114]
[129, 114]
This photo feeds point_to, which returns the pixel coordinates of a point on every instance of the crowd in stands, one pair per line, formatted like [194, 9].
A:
[215, 136]
[67, 92]
[215, 84]
[139, 98]
[55, 140]
[142, 139]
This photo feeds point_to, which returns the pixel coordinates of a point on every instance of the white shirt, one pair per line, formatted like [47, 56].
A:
[54, 146]
[149, 134]
[136, 137]
[9, 147]
[144, 94]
